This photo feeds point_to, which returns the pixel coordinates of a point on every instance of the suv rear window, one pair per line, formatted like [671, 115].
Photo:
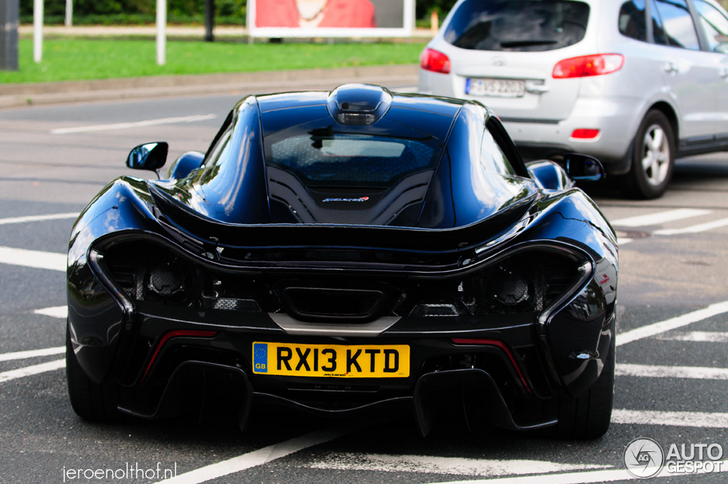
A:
[517, 26]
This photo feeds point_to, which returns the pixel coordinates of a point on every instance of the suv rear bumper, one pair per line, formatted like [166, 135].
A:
[612, 117]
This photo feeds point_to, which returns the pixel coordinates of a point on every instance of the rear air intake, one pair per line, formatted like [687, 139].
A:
[359, 104]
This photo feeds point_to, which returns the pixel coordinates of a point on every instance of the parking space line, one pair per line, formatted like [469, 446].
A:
[655, 371]
[589, 476]
[32, 370]
[673, 323]
[442, 465]
[22, 355]
[697, 337]
[33, 258]
[695, 229]
[60, 312]
[38, 218]
[672, 419]
[570, 478]
[659, 217]
[268, 454]
[137, 124]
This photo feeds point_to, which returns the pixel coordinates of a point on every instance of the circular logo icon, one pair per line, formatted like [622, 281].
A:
[643, 458]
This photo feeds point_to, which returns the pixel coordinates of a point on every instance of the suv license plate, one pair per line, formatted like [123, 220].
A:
[495, 87]
[332, 361]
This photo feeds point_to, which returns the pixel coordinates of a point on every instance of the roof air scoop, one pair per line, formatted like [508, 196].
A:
[359, 104]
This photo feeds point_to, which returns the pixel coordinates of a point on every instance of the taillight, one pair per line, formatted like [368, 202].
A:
[588, 65]
[432, 60]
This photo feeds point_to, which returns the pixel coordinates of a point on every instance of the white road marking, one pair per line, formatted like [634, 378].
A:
[407, 89]
[32, 370]
[138, 124]
[22, 355]
[38, 218]
[654, 371]
[659, 217]
[670, 324]
[33, 258]
[624, 240]
[442, 465]
[673, 419]
[588, 477]
[695, 228]
[267, 454]
[60, 312]
[697, 336]
[571, 478]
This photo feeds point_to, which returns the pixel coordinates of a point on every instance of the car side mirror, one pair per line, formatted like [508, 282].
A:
[149, 156]
[583, 167]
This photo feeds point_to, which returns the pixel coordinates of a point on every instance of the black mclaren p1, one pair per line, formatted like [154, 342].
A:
[346, 251]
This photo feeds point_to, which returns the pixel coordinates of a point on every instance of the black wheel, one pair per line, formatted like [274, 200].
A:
[92, 402]
[588, 416]
[653, 158]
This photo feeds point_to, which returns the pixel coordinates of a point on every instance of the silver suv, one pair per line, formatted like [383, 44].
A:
[635, 83]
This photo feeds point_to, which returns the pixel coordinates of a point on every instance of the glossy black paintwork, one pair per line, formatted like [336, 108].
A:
[96, 312]
[469, 216]
[185, 164]
[230, 188]
[463, 192]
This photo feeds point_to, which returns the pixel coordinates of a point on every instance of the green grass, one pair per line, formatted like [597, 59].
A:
[76, 59]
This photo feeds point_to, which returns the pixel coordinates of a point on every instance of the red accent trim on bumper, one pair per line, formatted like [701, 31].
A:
[173, 334]
[499, 344]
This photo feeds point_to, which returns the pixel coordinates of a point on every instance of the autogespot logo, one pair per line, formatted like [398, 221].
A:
[644, 458]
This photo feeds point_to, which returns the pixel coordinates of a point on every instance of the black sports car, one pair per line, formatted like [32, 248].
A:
[344, 251]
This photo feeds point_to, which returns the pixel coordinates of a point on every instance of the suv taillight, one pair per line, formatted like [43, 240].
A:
[432, 60]
[588, 65]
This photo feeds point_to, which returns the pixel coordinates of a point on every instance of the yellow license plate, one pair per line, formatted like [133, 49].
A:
[333, 361]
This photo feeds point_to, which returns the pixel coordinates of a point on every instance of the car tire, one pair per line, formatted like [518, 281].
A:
[653, 158]
[588, 416]
[90, 401]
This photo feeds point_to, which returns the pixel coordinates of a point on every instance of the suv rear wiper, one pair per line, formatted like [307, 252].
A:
[526, 43]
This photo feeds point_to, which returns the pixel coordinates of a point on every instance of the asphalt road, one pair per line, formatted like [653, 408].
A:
[672, 378]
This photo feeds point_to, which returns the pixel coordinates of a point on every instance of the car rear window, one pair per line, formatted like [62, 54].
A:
[520, 26]
[348, 160]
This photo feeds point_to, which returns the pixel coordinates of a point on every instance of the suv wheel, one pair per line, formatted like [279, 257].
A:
[653, 158]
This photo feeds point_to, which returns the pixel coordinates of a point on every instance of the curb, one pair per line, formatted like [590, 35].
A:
[14, 95]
